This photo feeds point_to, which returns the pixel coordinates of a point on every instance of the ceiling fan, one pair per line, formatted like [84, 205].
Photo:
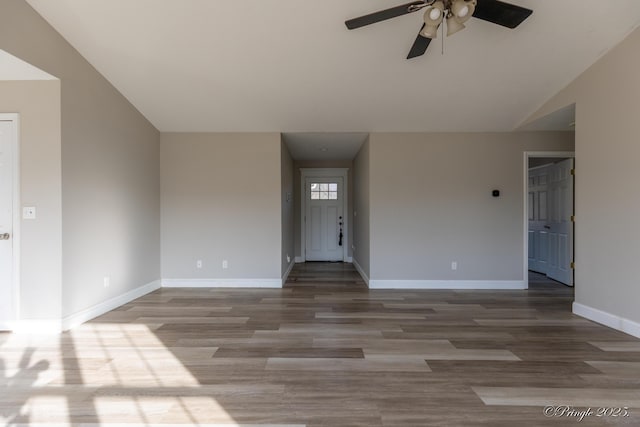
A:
[454, 12]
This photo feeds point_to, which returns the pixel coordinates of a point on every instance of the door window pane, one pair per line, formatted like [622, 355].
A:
[324, 191]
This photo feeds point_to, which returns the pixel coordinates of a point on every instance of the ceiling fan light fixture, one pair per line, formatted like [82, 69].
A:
[433, 17]
[462, 10]
[453, 25]
[429, 32]
[433, 14]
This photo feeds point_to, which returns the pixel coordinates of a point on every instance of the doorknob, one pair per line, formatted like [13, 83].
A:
[5, 236]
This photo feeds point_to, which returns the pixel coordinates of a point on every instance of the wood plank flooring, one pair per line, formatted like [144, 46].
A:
[325, 351]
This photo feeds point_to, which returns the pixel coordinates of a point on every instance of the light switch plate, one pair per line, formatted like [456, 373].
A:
[29, 212]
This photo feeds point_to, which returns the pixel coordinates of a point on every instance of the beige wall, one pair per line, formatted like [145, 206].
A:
[607, 98]
[38, 103]
[361, 213]
[431, 203]
[221, 199]
[288, 197]
[110, 169]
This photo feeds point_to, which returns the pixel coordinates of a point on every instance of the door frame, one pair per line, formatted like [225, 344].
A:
[525, 199]
[15, 233]
[324, 173]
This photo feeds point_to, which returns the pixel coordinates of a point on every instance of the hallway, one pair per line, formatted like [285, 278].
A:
[335, 273]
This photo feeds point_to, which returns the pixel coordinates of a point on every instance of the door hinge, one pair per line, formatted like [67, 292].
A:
[573, 218]
[573, 171]
[573, 265]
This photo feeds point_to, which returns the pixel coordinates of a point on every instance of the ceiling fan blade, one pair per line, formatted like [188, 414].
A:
[419, 46]
[501, 13]
[382, 15]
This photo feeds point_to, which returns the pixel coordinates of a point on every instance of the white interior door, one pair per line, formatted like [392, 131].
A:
[538, 216]
[324, 218]
[7, 132]
[560, 224]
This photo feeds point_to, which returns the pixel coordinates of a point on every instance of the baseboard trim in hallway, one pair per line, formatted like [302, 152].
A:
[314, 272]
[221, 283]
[361, 271]
[285, 276]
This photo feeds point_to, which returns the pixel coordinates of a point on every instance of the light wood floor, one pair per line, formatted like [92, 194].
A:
[325, 351]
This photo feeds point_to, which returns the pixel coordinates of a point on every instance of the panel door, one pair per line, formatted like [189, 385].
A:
[538, 214]
[560, 224]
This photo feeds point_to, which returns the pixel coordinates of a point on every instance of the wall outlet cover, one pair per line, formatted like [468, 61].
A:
[29, 212]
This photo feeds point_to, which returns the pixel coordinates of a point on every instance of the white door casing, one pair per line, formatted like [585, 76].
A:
[323, 208]
[9, 221]
[324, 219]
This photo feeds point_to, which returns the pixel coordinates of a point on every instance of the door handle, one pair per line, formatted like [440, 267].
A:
[5, 236]
[548, 227]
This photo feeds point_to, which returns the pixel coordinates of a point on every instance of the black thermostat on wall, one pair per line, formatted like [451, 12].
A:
[495, 193]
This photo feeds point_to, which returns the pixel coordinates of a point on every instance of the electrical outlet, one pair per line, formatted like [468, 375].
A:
[454, 265]
[199, 263]
[225, 264]
[29, 212]
[106, 281]
[288, 258]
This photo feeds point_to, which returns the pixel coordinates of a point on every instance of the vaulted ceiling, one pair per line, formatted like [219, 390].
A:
[292, 66]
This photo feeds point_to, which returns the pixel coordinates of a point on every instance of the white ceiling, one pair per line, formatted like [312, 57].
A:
[563, 119]
[324, 146]
[12, 68]
[292, 66]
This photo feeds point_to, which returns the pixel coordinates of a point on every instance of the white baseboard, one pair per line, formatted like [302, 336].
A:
[222, 283]
[36, 326]
[6, 326]
[286, 273]
[447, 284]
[361, 271]
[611, 320]
[300, 259]
[76, 319]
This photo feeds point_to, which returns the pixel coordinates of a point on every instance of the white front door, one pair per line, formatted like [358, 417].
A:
[560, 223]
[7, 132]
[324, 218]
